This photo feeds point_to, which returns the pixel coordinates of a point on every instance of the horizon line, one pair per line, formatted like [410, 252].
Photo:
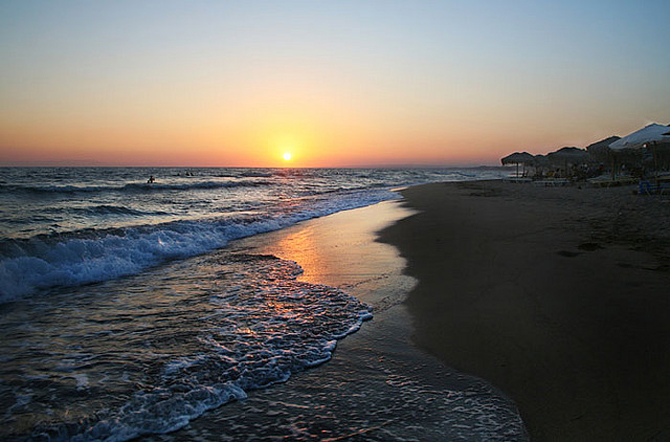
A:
[145, 166]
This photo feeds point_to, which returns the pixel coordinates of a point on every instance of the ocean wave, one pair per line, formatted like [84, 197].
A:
[258, 329]
[197, 185]
[104, 210]
[90, 255]
[256, 174]
[47, 262]
[130, 187]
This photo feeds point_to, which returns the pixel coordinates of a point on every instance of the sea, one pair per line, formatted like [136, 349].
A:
[125, 314]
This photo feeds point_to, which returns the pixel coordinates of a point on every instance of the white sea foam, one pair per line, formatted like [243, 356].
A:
[267, 326]
[79, 226]
[146, 353]
[70, 260]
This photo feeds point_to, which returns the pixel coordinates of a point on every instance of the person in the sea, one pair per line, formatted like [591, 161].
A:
[151, 180]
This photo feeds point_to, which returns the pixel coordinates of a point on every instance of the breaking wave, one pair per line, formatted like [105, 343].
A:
[132, 187]
[87, 256]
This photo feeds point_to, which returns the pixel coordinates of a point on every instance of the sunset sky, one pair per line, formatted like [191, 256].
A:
[340, 83]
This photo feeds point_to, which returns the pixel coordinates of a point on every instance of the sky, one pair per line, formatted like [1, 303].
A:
[335, 83]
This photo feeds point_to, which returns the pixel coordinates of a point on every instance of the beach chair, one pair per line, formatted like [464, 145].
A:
[645, 187]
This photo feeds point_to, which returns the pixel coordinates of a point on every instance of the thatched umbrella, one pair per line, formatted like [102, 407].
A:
[540, 162]
[569, 155]
[517, 158]
[600, 152]
[573, 155]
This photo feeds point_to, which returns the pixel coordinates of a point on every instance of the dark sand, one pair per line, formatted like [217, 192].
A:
[560, 297]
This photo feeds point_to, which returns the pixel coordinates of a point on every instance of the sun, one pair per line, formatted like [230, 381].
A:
[287, 156]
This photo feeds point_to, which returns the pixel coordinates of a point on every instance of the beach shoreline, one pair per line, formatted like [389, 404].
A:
[557, 296]
[378, 385]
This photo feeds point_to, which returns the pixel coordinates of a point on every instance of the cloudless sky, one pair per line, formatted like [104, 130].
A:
[341, 83]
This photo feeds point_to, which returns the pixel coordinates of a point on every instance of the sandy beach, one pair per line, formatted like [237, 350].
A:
[378, 386]
[557, 296]
[553, 298]
[334, 221]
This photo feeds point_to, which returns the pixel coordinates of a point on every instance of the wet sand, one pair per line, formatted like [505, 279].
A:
[560, 297]
[378, 386]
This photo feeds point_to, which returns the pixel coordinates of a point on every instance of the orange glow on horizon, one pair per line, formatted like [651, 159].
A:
[342, 86]
[263, 134]
[320, 124]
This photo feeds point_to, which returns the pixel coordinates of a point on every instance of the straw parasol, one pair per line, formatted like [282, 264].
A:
[572, 155]
[600, 150]
[517, 158]
[540, 160]
[568, 155]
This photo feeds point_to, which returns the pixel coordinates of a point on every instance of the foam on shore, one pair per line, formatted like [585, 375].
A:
[377, 385]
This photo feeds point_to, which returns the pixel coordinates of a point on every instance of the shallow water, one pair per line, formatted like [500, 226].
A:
[378, 386]
[116, 360]
[179, 322]
[72, 226]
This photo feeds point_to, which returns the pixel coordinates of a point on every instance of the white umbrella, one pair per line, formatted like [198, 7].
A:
[638, 139]
[646, 137]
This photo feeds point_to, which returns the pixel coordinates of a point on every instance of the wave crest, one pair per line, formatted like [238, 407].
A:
[131, 187]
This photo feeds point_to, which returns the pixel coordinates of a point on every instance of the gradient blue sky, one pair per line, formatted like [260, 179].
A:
[344, 83]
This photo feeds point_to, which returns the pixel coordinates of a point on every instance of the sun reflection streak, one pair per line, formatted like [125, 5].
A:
[346, 252]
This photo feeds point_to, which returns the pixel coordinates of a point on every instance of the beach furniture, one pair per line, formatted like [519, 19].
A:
[646, 187]
[606, 181]
[513, 179]
[552, 182]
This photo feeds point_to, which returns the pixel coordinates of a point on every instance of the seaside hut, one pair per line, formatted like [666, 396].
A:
[518, 158]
